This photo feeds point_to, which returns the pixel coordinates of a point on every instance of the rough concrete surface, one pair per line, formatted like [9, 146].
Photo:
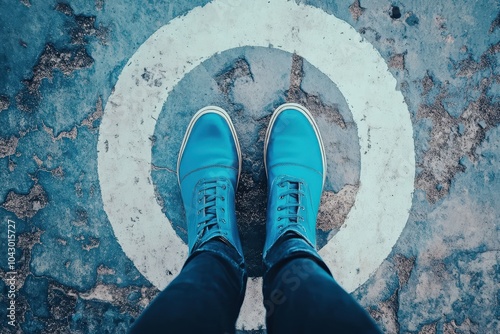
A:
[59, 63]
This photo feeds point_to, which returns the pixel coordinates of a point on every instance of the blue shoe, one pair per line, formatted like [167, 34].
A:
[295, 163]
[208, 170]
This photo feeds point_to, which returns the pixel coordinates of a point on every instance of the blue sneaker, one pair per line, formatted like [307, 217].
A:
[208, 170]
[295, 163]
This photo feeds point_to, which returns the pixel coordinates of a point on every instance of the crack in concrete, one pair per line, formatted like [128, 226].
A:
[251, 194]
[495, 24]
[251, 199]
[334, 208]
[296, 74]
[386, 311]
[467, 326]
[404, 266]
[97, 114]
[154, 167]
[312, 102]
[56, 172]
[428, 328]
[427, 84]
[226, 78]
[73, 133]
[119, 296]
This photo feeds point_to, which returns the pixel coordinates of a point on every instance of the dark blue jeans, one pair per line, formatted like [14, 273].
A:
[300, 294]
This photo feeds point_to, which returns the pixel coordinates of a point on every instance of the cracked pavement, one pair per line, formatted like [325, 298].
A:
[59, 63]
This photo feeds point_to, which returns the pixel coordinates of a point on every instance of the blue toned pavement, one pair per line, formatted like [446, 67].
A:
[59, 64]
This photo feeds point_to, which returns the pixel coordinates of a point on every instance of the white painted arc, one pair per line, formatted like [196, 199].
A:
[385, 132]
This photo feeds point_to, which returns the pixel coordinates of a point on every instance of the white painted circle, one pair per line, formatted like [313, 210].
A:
[385, 133]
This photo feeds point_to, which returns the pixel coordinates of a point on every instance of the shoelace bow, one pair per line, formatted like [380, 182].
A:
[293, 192]
[207, 198]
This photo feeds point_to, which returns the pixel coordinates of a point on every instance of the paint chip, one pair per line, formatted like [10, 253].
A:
[356, 10]
[8, 146]
[4, 102]
[26, 205]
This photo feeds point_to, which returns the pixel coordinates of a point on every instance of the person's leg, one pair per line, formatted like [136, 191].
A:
[300, 294]
[206, 296]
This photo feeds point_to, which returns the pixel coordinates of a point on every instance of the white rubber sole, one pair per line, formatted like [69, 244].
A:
[209, 110]
[310, 118]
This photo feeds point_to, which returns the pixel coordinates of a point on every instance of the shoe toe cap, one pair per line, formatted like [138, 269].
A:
[210, 143]
[293, 140]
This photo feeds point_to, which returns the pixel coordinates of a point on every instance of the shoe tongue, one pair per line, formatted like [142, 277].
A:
[211, 211]
[293, 199]
[210, 191]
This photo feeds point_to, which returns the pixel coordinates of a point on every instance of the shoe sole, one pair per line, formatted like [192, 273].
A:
[209, 110]
[310, 118]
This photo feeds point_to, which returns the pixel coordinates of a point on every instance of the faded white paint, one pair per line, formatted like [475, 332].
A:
[385, 132]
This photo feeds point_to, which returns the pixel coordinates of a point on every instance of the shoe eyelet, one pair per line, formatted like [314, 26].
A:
[224, 187]
[222, 198]
[279, 218]
[223, 210]
[302, 208]
[280, 226]
[281, 197]
[223, 221]
[279, 208]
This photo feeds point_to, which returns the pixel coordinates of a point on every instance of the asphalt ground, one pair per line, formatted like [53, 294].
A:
[426, 262]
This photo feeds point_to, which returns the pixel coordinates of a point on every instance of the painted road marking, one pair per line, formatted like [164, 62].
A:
[385, 133]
